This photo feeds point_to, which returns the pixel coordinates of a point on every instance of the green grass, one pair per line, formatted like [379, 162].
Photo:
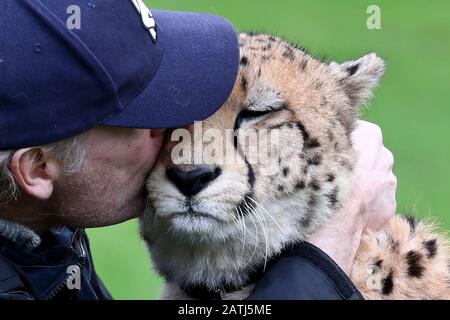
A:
[411, 105]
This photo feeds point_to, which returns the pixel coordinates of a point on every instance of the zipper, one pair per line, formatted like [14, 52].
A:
[57, 289]
[82, 251]
[77, 240]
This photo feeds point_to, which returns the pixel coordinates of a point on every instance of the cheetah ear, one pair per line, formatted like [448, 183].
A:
[359, 77]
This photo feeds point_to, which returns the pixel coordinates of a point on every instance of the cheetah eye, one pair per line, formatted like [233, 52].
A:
[249, 115]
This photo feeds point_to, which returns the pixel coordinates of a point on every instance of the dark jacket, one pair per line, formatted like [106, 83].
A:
[304, 272]
[301, 272]
[43, 273]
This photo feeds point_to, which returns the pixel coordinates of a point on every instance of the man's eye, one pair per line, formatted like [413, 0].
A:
[248, 115]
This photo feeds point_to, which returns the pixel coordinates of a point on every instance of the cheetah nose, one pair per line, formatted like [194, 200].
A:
[192, 182]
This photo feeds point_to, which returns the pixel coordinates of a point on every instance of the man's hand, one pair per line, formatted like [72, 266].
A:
[375, 183]
[370, 204]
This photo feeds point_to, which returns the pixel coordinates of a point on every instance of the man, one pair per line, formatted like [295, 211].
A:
[78, 112]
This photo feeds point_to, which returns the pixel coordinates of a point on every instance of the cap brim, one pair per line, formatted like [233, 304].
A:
[196, 75]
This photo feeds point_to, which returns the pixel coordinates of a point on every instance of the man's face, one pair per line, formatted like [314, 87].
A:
[110, 188]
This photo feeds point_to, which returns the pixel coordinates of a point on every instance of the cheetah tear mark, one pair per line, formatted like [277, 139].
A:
[309, 142]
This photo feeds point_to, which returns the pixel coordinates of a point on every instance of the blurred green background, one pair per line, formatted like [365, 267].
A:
[411, 105]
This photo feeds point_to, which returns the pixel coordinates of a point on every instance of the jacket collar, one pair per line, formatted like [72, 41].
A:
[45, 266]
[22, 236]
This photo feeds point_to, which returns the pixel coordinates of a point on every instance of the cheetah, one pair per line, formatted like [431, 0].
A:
[214, 226]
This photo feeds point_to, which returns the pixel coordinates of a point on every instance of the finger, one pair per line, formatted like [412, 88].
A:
[389, 160]
[367, 142]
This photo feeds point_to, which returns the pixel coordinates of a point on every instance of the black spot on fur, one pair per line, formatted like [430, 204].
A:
[285, 171]
[314, 184]
[259, 72]
[244, 83]
[413, 259]
[268, 47]
[300, 185]
[290, 125]
[305, 221]
[303, 64]
[379, 263]
[330, 135]
[336, 146]
[307, 218]
[244, 61]
[312, 202]
[289, 54]
[281, 188]
[315, 160]
[332, 198]
[312, 143]
[431, 246]
[394, 245]
[387, 284]
[412, 223]
[352, 70]
[330, 177]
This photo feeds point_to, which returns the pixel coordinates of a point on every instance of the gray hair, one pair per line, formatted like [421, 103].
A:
[70, 152]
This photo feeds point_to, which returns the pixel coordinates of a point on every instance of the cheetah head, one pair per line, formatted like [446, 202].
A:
[211, 221]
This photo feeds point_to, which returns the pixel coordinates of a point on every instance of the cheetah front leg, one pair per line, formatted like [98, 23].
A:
[408, 259]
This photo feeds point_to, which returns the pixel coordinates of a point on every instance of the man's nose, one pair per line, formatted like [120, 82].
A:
[192, 182]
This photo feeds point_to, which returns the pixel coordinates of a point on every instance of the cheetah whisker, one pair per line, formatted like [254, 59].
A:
[265, 232]
[256, 242]
[238, 223]
[267, 213]
[244, 227]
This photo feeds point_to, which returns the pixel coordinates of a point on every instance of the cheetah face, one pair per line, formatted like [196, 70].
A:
[309, 106]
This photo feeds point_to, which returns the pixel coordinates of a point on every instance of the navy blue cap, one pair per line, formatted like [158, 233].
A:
[125, 66]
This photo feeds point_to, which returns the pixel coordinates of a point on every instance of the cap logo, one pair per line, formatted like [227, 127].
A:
[146, 16]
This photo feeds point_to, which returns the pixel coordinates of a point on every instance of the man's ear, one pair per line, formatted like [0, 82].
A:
[359, 77]
[34, 172]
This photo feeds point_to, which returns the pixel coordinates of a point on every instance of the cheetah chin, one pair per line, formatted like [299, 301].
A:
[212, 224]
